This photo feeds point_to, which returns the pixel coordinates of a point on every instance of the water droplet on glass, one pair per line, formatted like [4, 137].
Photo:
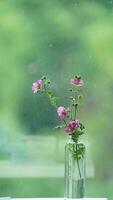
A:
[90, 57]
[50, 45]
[110, 2]
[32, 68]
[76, 4]
[95, 85]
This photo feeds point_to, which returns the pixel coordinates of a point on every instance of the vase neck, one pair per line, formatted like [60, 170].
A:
[70, 137]
[70, 140]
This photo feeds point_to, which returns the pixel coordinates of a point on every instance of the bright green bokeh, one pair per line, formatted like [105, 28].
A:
[58, 38]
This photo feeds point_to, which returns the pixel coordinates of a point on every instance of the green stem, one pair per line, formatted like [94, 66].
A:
[64, 122]
[44, 86]
[75, 102]
[70, 105]
[50, 96]
[76, 110]
[78, 162]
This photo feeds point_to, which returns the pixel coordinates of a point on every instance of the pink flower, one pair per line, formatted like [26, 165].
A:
[62, 112]
[72, 126]
[77, 82]
[37, 86]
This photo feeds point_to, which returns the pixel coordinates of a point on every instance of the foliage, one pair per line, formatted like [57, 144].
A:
[59, 38]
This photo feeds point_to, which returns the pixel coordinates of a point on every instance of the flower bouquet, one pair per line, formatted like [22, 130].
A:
[74, 150]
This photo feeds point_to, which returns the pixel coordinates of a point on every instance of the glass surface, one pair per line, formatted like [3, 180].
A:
[74, 171]
[58, 38]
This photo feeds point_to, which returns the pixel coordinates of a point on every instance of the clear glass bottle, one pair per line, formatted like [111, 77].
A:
[74, 169]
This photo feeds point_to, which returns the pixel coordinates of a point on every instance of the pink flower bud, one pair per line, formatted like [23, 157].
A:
[37, 86]
[77, 82]
[62, 112]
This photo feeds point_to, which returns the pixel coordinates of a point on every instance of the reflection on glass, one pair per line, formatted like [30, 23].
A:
[56, 38]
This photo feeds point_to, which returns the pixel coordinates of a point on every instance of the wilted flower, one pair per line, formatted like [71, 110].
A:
[37, 86]
[62, 112]
[72, 126]
[77, 81]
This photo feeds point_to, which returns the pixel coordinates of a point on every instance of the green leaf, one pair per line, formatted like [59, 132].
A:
[81, 126]
[59, 127]
[79, 153]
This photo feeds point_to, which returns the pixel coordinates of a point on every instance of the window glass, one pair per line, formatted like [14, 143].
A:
[57, 38]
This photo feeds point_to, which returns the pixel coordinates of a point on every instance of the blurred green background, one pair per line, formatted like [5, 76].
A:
[58, 38]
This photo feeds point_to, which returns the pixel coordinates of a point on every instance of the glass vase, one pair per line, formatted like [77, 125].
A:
[74, 170]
